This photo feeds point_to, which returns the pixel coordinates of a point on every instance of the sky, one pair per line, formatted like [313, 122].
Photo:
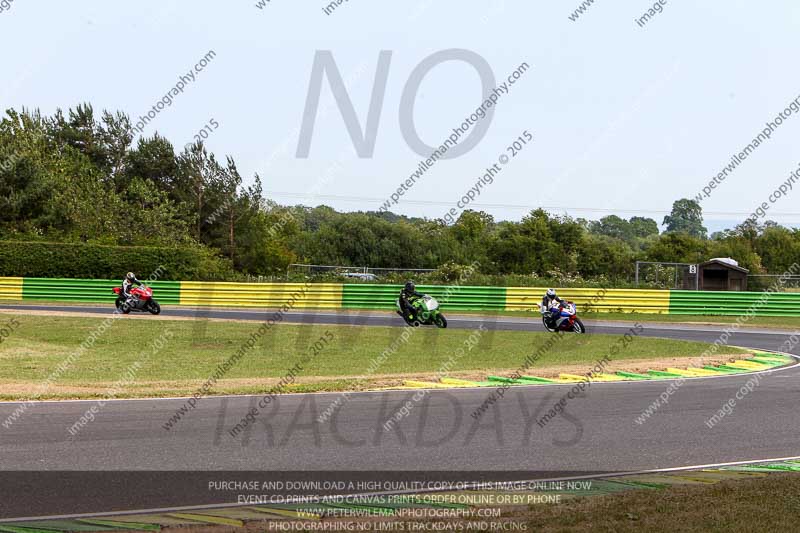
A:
[625, 118]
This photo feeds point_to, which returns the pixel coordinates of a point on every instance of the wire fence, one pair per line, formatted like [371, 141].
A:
[666, 275]
[758, 282]
[356, 272]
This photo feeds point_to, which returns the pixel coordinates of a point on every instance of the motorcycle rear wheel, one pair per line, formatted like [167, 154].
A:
[547, 326]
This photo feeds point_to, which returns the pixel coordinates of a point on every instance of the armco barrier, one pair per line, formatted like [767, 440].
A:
[90, 290]
[734, 303]
[11, 288]
[317, 295]
[598, 299]
[378, 296]
[369, 296]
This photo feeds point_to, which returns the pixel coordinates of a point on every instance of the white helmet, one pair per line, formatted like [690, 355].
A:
[551, 293]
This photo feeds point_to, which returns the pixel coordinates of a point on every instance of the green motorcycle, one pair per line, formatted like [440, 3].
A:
[426, 312]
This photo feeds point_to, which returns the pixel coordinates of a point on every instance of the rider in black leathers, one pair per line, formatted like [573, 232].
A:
[408, 292]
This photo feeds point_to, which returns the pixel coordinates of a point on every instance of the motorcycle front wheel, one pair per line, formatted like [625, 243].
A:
[578, 326]
[440, 321]
[154, 307]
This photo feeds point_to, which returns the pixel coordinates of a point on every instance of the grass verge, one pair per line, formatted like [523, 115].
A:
[192, 350]
[768, 503]
[760, 504]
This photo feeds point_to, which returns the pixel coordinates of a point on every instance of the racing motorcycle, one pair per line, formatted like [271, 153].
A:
[426, 312]
[141, 300]
[565, 310]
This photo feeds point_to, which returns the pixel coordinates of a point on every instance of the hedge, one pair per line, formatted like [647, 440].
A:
[95, 261]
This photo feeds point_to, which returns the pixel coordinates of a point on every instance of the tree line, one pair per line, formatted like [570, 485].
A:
[79, 177]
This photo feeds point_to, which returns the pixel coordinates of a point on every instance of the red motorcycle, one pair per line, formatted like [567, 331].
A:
[141, 300]
[571, 321]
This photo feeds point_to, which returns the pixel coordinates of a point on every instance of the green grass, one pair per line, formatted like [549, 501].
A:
[195, 348]
[746, 505]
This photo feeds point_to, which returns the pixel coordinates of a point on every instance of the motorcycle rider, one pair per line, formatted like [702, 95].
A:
[407, 293]
[127, 283]
[548, 303]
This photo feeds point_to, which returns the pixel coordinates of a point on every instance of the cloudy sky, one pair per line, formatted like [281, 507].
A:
[625, 118]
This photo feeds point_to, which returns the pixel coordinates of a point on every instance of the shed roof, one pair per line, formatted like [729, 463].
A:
[724, 264]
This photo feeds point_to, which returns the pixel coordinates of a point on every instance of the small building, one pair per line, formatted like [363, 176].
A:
[722, 274]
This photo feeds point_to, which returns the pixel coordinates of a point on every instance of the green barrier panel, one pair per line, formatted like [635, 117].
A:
[660, 374]
[536, 379]
[369, 296]
[501, 379]
[91, 290]
[770, 362]
[733, 303]
[597, 299]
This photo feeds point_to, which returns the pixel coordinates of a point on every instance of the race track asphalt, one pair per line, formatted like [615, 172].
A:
[597, 431]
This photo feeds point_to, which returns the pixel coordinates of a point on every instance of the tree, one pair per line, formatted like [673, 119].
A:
[611, 226]
[686, 217]
[154, 160]
[643, 227]
[198, 179]
[778, 248]
[678, 248]
[633, 231]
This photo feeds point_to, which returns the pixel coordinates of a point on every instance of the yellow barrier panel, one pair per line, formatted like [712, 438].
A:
[426, 385]
[606, 377]
[749, 364]
[10, 288]
[459, 382]
[571, 377]
[687, 372]
[273, 295]
[595, 299]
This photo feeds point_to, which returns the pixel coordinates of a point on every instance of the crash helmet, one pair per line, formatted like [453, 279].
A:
[130, 276]
[551, 293]
[410, 287]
